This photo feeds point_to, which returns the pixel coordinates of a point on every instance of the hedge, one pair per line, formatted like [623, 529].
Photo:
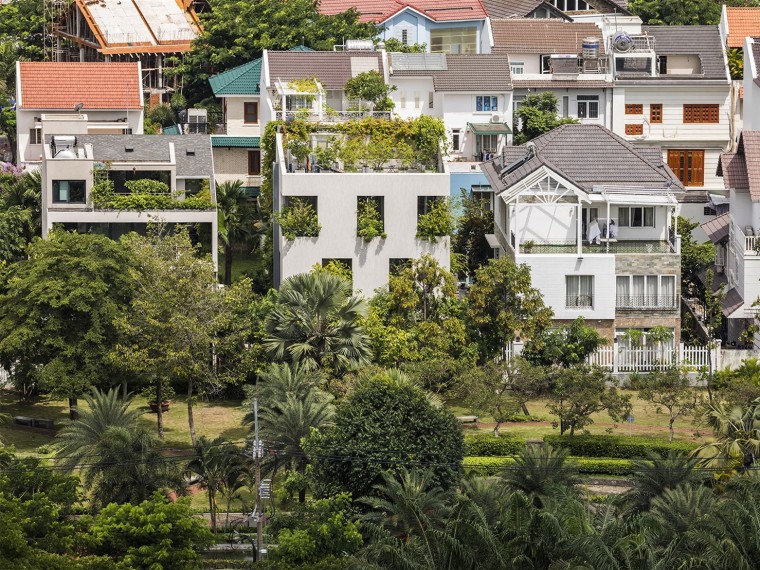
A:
[490, 466]
[616, 446]
[489, 445]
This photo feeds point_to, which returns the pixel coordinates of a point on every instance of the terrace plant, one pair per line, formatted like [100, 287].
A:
[298, 219]
[438, 221]
[369, 222]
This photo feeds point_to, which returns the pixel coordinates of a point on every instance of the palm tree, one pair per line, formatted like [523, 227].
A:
[539, 471]
[25, 192]
[215, 464]
[281, 380]
[236, 220]
[737, 430]
[317, 323]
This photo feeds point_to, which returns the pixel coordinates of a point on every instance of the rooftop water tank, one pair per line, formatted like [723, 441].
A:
[365, 45]
[590, 48]
[622, 42]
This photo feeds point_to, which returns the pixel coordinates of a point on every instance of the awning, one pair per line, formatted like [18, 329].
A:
[718, 200]
[235, 142]
[492, 241]
[489, 128]
[732, 302]
[717, 228]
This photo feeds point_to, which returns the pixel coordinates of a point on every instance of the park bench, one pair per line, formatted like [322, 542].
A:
[467, 419]
[39, 423]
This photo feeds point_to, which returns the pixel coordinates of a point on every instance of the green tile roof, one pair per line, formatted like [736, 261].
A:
[241, 80]
[235, 142]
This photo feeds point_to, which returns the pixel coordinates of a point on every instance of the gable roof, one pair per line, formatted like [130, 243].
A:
[381, 10]
[742, 22]
[461, 72]
[542, 36]
[610, 7]
[241, 80]
[742, 168]
[756, 56]
[331, 68]
[131, 26]
[703, 41]
[588, 156]
[520, 9]
[62, 85]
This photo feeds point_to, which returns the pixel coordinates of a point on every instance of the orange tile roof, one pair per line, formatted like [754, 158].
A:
[381, 10]
[742, 22]
[53, 85]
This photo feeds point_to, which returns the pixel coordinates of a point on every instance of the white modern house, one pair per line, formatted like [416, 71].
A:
[593, 218]
[751, 84]
[400, 196]
[74, 161]
[108, 94]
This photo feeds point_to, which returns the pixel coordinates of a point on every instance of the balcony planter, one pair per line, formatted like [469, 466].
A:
[528, 246]
[164, 406]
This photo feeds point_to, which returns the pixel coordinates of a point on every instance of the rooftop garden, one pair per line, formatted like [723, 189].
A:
[146, 194]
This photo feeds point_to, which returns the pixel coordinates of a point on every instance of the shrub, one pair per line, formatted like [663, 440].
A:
[436, 222]
[369, 223]
[488, 445]
[298, 220]
[616, 446]
[485, 466]
[492, 466]
[146, 194]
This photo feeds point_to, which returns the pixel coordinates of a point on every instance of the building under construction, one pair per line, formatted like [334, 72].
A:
[155, 32]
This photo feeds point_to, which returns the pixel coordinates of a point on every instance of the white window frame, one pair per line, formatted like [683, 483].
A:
[577, 301]
[626, 221]
[456, 140]
[590, 106]
[659, 302]
[35, 138]
[517, 67]
[493, 103]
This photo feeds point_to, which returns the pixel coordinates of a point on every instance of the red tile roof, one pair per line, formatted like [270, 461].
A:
[742, 22]
[51, 85]
[380, 10]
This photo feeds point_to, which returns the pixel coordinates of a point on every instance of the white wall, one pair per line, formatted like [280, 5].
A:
[751, 89]
[604, 95]
[411, 97]
[235, 115]
[546, 222]
[548, 274]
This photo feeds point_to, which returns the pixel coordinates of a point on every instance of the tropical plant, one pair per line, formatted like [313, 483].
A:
[369, 222]
[298, 219]
[317, 323]
[539, 471]
[236, 220]
[737, 430]
[437, 222]
[370, 86]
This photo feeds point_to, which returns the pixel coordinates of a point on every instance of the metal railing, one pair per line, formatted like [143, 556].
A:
[563, 246]
[636, 302]
[579, 302]
[333, 116]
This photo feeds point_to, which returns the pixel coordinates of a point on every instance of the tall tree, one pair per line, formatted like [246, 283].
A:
[537, 115]
[695, 257]
[470, 239]
[57, 312]
[316, 322]
[676, 12]
[671, 390]
[236, 220]
[565, 345]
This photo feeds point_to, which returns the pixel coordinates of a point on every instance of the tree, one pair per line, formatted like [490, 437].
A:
[22, 24]
[676, 12]
[670, 389]
[739, 386]
[735, 57]
[236, 31]
[153, 534]
[236, 220]
[737, 431]
[316, 322]
[57, 313]
[540, 471]
[695, 257]
[169, 328]
[502, 389]
[470, 238]
[537, 115]
[564, 345]
[420, 290]
[653, 475]
[214, 463]
[503, 305]
[385, 423]
[393, 45]
[370, 86]
[577, 393]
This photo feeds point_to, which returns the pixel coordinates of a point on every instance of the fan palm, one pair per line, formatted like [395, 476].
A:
[236, 220]
[540, 471]
[317, 323]
[281, 380]
[737, 430]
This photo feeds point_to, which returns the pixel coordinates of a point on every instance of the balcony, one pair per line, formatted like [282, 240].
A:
[644, 302]
[579, 302]
[609, 246]
[332, 116]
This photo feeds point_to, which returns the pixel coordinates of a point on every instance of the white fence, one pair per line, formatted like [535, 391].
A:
[5, 377]
[617, 359]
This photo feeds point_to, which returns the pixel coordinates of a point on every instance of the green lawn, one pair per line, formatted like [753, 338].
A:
[242, 263]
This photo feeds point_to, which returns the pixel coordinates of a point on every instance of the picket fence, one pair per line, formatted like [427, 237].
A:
[617, 359]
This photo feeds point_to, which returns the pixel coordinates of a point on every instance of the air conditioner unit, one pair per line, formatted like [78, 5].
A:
[496, 118]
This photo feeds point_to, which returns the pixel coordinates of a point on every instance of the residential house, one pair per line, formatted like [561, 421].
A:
[236, 142]
[567, 58]
[110, 95]
[672, 91]
[736, 25]
[154, 32]
[74, 161]
[735, 235]
[593, 217]
[578, 9]
[751, 83]
[400, 197]
[501, 9]
[448, 26]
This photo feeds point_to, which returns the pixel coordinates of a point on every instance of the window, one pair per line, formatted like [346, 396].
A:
[579, 291]
[709, 211]
[397, 264]
[485, 103]
[636, 217]
[254, 162]
[546, 64]
[565, 106]
[431, 100]
[634, 109]
[655, 113]
[68, 191]
[634, 130]
[251, 113]
[701, 114]
[405, 37]
[588, 106]
[517, 67]
[379, 202]
[416, 99]
[487, 144]
[35, 135]
[454, 40]
[645, 291]
[688, 166]
[425, 203]
[298, 102]
[402, 99]
[192, 186]
[662, 64]
[121, 177]
[456, 140]
[483, 196]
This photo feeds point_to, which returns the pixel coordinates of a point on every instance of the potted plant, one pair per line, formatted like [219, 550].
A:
[167, 394]
[528, 246]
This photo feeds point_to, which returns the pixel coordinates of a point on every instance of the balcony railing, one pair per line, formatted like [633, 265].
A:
[333, 116]
[640, 302]
[623, 246]
[579, 302]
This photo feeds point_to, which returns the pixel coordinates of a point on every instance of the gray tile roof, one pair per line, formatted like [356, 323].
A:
[542, 36]
[587, 155]
[733, 169]
[331, 68]
[519, 8]
[717, 228]
[155, 148]
[703, 41]
[756, 55]
[466, 73]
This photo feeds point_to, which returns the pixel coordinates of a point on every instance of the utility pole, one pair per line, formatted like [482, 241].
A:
[257, 453]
